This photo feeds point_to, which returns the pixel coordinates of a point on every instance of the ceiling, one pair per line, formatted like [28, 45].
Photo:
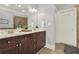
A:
[26, 7]
[19, 7]
[65, 6]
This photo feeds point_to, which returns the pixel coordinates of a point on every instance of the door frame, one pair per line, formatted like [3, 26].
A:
[58, 13]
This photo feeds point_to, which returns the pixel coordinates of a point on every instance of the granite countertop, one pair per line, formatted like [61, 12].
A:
[5, 34]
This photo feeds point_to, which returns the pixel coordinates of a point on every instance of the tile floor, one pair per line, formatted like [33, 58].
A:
[60, 48]
[49, 51]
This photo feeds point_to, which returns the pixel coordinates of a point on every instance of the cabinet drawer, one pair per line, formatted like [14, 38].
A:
[7, 43]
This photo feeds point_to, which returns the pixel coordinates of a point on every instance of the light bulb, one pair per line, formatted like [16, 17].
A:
[19, 5]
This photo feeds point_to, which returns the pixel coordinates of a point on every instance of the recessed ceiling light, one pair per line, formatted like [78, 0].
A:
[19, 5]
[23, 10]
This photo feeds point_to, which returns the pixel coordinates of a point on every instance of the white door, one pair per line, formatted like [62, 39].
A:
[67, 27]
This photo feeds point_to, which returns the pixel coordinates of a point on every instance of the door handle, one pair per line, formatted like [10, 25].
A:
[17, 45]
[9, 42]
[20, 44]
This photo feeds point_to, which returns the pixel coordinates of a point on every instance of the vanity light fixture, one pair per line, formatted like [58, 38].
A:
[19, 5]
[34, 10]
[23, 10]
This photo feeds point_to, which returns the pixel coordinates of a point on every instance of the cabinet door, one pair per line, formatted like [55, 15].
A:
[40, 40]
[24, 45]
[8, 46]
[32, 45]
[28, 44]
[66, 26]
[35, 39]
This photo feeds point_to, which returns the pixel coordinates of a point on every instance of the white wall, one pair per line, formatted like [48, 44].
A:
[32, 19]
[48, 12]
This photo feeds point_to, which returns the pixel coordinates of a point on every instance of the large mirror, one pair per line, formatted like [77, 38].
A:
[20, 22]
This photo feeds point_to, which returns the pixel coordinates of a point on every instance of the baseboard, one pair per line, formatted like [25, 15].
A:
[75, 45]
[50, 46]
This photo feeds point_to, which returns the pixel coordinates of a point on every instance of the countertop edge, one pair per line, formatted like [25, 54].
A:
[20, 33]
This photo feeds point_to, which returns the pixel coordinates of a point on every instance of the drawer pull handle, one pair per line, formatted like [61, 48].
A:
[9, 42]
[17, 45]
[20, 44]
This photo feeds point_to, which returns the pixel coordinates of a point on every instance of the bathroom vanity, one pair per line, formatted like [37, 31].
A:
[22, 42]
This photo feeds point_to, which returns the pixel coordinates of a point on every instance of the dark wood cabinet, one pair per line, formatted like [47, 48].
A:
[8, 45]
[38, 41]
[23, 44]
